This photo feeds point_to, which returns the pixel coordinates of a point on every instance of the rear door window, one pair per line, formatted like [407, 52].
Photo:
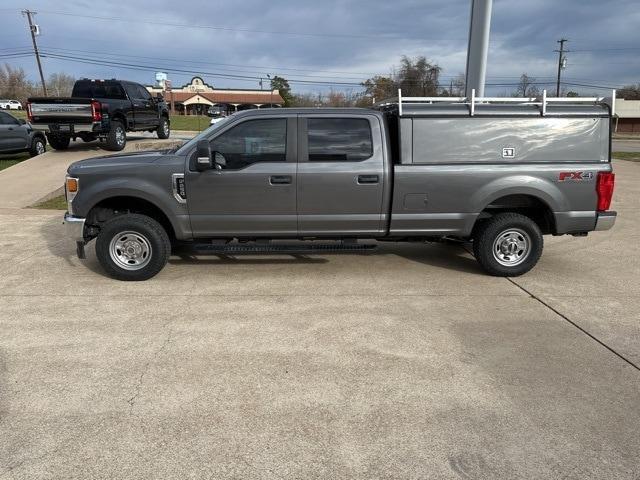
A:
[339, 139]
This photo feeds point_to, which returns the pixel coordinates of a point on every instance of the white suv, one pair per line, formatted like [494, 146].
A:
[10, 105]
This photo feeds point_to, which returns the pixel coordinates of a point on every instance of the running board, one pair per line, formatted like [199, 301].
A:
[233, 249]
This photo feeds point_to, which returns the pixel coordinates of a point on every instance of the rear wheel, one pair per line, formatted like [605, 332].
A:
[59, 142]
[117, 137]
[163, 130]
[507, 244]
[38, 146]
[132, 247]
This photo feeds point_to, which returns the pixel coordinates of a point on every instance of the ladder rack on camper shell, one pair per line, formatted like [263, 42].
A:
[542, 102]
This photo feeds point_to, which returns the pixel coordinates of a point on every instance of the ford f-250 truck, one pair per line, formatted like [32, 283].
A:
[99, 109]
[501, 173]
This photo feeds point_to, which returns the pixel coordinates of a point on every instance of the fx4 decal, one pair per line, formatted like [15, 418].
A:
[575, 176]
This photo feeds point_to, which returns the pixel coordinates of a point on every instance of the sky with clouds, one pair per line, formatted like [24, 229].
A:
[232, 43]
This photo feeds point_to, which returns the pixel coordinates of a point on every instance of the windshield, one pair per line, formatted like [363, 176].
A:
[203, 135]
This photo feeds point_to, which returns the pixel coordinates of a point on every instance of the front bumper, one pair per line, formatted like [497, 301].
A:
[74, 227]
[605, 220]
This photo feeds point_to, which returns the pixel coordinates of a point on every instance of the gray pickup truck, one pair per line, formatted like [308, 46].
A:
[498, 172]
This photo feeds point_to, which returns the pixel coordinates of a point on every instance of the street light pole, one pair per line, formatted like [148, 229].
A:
[479, 29]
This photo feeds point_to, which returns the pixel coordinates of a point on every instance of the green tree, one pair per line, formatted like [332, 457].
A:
[416, 77]
[282, 85]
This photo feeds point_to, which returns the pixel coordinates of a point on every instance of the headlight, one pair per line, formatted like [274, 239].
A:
[71, 187]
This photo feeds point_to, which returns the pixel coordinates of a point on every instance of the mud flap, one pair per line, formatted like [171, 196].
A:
[80, 250]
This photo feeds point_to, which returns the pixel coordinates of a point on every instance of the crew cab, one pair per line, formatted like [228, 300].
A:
[499, 173]
[99, 109]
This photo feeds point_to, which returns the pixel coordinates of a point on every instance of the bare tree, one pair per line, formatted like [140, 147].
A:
[629, 92]
[14, 83]
[60, 84]
[526, 87]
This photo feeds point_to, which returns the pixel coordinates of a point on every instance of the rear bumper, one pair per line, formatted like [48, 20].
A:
[74, 227]
[73, 128]
[605, 220]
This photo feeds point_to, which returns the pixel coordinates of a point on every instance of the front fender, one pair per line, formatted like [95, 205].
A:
[160, 196]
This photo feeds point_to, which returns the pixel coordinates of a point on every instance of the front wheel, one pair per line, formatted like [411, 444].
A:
[38, 146]
[163, 130]
[508, 244]
[132, 247]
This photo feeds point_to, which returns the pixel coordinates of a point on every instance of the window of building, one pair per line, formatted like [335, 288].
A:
[339, 139]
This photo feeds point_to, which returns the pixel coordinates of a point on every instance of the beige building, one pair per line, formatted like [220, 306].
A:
[627, 116]
[197, 97]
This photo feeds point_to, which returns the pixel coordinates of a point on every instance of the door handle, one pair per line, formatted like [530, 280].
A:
[280, 179]
[367, 179]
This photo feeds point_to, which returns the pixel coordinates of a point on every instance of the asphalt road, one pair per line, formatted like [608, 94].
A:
[409, 363]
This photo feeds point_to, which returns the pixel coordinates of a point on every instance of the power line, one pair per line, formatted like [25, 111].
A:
[229, 29]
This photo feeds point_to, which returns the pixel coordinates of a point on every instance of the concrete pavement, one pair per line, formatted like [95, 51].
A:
[626, 145]
[408, 363]
[42, 177]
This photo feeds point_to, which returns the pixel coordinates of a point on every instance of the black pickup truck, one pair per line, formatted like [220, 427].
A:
[99, 109]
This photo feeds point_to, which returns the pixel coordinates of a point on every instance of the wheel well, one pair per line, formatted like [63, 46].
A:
[119, 117]
[111, 207]
[527, 205]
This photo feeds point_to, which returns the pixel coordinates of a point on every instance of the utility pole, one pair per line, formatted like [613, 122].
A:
[561, 62]
[34, 29]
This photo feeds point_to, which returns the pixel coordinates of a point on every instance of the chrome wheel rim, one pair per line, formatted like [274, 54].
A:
[130, 250]
[120, 136]
[511, 247]
[165, 127]
[39, 148]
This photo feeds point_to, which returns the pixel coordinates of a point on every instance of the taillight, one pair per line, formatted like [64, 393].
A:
[604, 187]
[96, 111]
[29, 114]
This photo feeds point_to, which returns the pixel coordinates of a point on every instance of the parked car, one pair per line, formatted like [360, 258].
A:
[215, 120]
[10, 105]
[99, 109]
[498, 173]
[16, 135]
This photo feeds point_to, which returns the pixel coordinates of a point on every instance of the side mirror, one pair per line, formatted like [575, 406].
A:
[203, 159]
[219, 161]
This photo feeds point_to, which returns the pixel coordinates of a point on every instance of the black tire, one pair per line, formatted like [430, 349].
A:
[117, 137]
[38, 146]
[517, 241]
[59, 142]
[164, 129]
[137, 230]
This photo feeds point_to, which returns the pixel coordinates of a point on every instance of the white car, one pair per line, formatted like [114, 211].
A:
[215, 120]
[10, 105]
